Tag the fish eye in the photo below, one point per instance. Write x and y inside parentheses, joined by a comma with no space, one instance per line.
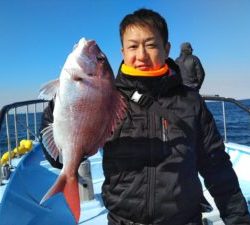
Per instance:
(76,78)
(100,58)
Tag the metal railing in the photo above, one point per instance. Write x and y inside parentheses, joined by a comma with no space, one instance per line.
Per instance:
(223,100)
(25,108)
(10,114)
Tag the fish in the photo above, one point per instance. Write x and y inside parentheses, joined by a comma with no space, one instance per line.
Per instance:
(87,109)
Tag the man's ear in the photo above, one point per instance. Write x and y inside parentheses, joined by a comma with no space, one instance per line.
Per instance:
(167,49)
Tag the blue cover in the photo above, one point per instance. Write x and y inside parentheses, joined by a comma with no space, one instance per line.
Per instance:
(20,203)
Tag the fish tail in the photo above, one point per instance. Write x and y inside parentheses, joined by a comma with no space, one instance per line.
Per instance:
(71,193)
(70,189)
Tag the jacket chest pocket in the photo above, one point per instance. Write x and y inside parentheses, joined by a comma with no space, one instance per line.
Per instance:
(180,139)
(135,126)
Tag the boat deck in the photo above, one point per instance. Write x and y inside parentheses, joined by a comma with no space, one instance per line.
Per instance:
(31,180)
(34,176)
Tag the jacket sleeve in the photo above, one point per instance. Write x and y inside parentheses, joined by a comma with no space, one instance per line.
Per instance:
(200,73)
(46,120)
(216,168)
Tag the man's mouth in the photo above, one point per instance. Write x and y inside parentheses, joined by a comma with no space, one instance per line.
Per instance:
(143,67)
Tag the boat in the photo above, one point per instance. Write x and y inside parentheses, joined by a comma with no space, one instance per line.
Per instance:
(25,176)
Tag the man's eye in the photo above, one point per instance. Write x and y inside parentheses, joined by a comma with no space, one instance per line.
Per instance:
(132,47)
(152,45)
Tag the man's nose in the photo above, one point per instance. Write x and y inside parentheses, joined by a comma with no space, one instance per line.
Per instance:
(142,53)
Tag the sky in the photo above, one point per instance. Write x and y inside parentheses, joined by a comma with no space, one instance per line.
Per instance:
(37,35)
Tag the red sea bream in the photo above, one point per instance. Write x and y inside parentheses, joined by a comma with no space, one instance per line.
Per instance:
(87,108)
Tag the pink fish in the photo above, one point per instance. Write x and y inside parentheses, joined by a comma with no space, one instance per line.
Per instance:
(87,109)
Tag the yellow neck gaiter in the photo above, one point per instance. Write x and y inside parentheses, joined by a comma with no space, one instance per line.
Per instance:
(128,70)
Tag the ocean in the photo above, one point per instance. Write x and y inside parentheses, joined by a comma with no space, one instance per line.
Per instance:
(237,121)
(21,129)
(238,125)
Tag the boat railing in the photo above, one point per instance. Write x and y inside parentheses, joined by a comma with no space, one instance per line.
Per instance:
(237,103)
(15,126)
(25,107)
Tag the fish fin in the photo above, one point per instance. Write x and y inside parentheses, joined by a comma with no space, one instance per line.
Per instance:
(70,190)
(120,108)
(49,90)
(49,143)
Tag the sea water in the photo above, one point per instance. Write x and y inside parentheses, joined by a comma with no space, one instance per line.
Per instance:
(237,121)
(21,125)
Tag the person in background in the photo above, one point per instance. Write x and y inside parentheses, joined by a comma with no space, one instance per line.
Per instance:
(152,160)
(192,72)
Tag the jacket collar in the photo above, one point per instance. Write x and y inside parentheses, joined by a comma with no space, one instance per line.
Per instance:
(150,85)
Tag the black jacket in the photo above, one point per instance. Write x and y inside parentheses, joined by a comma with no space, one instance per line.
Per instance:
(192,72)
(151,162)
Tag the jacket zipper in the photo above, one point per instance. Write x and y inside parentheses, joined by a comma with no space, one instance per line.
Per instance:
(151,169)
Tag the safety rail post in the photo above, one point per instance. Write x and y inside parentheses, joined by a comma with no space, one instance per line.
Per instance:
(15,126)
(85,181)
(8,137)
(35,122)
(27,122)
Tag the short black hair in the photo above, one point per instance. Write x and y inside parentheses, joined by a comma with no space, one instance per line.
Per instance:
(145,18)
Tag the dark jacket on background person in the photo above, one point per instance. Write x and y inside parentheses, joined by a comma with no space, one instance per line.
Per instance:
(152,160)
(192,72)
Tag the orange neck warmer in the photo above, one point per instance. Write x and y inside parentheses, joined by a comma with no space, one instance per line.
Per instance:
(128,70)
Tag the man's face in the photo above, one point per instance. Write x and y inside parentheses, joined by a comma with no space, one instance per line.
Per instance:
(143,48)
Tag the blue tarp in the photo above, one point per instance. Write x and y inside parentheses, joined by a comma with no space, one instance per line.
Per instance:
(20,203)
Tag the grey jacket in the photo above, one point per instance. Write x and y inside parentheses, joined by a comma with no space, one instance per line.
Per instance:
(192,72)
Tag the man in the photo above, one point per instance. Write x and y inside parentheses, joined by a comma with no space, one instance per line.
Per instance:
(192,72)
(151,161)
